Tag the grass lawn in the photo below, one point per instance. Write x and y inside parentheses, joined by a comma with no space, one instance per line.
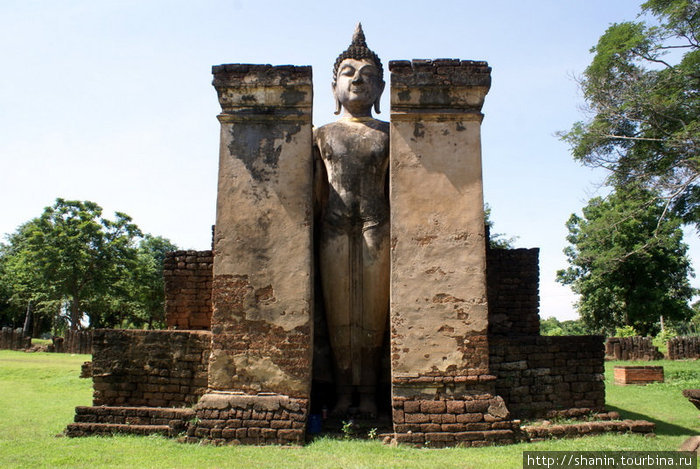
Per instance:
(39,391)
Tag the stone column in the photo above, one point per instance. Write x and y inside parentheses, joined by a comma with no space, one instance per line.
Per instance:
(262,296)
(442,390)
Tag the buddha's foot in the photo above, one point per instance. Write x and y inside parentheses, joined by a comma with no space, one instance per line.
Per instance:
(368,406)
(342,406)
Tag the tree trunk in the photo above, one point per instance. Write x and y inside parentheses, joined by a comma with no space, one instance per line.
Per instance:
(75,312)
(27,330)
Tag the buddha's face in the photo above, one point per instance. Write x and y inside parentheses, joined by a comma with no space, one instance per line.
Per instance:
(357,85)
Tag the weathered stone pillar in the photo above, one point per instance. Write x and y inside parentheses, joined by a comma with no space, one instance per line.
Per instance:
(260,365)
(442,390)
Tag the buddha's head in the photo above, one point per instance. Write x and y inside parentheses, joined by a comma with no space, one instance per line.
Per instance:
(357,78)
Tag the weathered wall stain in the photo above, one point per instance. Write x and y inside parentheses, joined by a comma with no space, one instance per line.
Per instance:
(259,145)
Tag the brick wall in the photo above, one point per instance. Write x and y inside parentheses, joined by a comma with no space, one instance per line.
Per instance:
(631,348)
(539,375)
(513,291)
(188,283)
(683,348)
(14,339)
(149,368)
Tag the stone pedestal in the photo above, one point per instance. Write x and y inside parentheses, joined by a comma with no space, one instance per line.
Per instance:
(262,293)
(442,390)
(638,374)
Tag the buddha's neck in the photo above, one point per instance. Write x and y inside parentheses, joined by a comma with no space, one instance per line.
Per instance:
(349,118)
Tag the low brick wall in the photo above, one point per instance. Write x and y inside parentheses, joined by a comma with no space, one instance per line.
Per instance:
(149,368)
(513,291)
(631,348)
(14,339)
(188,283)
(683,348)
(537,375)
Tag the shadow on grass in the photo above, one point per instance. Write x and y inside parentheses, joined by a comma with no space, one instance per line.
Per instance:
(662,428)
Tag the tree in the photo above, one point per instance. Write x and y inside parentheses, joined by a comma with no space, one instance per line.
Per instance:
(11,314)
(642,92)
(627,263)
(496,240)
(21,287)
(148,276)
(73,258)
(553,327)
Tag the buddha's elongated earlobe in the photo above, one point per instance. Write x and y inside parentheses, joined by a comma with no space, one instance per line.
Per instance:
(376,102)
(338,106)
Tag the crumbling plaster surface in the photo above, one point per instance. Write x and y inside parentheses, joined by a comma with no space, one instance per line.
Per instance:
(438,270)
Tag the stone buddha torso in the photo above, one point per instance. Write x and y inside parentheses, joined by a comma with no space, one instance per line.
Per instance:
(355,155)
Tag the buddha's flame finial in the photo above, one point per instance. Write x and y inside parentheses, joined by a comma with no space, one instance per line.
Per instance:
(358,37)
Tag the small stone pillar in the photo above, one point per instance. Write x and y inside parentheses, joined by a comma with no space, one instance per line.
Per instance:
(262,295)
(442,390)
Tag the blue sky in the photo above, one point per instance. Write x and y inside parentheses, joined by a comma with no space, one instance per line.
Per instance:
(111,101)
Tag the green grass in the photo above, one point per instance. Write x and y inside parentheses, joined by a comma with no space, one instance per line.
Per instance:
(41,341)
(38,394)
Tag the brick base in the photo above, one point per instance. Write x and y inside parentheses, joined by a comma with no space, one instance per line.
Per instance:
(638,374)
(475,420)
(237,418)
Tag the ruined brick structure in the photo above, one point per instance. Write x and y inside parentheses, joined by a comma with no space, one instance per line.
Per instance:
(684,348)
(631,348)
(149,368)
(513,291)
(77,342)
(539,375)
(464,353)
(14,339)
(188,280)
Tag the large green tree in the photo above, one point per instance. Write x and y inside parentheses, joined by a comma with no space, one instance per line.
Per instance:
(642,92)
(627,263)
(74,258)
(149,291)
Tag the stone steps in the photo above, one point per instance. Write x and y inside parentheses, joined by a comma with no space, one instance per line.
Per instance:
(108,420)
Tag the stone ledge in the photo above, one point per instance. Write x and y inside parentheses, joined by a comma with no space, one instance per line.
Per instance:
(88,429)
(460,72)
(541,432)
(458,439)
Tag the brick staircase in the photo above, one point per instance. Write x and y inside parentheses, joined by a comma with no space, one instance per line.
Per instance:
(105,420)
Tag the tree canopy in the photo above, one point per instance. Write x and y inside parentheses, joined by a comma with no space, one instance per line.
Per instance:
(72,258)
(553,327)
(627,263)
(642,92)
